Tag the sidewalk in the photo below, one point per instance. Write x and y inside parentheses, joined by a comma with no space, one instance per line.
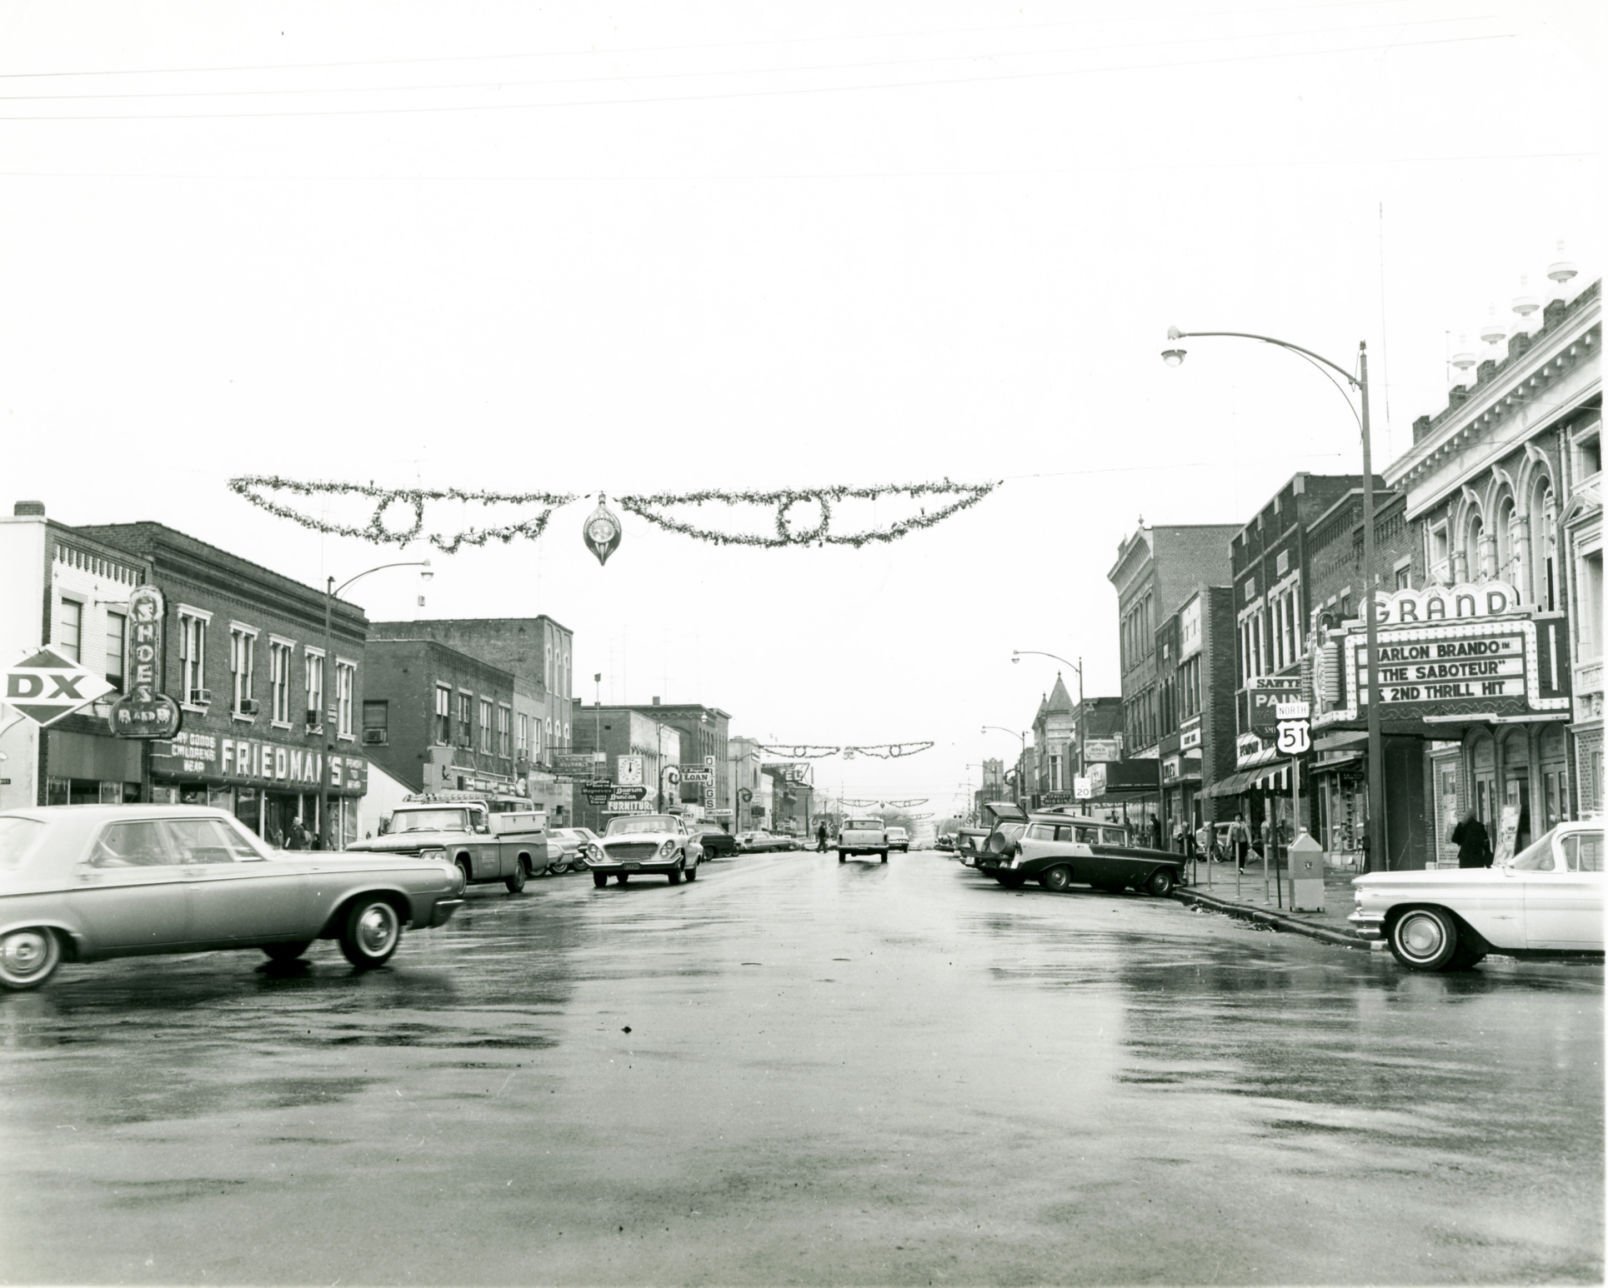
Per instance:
(1255,896)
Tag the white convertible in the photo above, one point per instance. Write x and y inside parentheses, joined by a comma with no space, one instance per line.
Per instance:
(1546,903)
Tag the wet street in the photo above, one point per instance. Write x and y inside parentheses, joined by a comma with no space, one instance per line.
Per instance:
(796,1072)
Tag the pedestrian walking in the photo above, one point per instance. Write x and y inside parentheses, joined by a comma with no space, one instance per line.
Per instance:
(1473,842)
(1239,840)
(820,837)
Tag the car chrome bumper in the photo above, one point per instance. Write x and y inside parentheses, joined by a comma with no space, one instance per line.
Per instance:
(443,910)
(1368,923)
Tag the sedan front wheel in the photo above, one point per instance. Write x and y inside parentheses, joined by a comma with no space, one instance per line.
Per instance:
(1424,939)
(371,933)
(28,958)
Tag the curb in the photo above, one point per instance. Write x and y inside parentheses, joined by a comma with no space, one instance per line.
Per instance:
(1278,920)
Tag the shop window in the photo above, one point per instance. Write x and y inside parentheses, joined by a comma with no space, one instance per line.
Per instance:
(193,656)
(69,635)
(443,715)
(345,697)
(279,652)
(313,662)
(116,648)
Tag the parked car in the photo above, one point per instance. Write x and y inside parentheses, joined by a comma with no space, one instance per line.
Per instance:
(570,841)
(757,842)
(1002,823)
(505,846)
(644,844)
(899,839)
(946,841)
(716,841)
(862,836)
(1059,850)
(1546,903)
(87,883)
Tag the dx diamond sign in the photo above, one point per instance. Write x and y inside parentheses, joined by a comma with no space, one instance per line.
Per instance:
(48,686)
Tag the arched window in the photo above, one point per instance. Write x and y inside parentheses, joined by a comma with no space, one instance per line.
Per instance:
(1506,555)
(1544,546)
(1473,547)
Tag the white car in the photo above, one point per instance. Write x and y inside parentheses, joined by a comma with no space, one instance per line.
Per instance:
(899,839)
(1546,903)
(862,836)
(633,844)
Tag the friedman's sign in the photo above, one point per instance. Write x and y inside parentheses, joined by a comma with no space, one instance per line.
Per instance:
(216,758)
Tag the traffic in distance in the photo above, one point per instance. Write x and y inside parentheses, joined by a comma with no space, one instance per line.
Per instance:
(88,883)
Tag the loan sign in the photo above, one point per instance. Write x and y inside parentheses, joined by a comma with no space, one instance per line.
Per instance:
(47,687)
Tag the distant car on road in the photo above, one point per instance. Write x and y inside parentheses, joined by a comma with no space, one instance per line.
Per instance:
(571,841)
(1546,903)
(644,844)
(1059,850)
(91,882)
(945,841)
(759,841)
(717,842)
(899,839)
(862,836)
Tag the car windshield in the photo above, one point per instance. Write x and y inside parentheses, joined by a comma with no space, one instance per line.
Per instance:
(429,820)
(17,837)
(1582,852)
(641,823)
(865,824)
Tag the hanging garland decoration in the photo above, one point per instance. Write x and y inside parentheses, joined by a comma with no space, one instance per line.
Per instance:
(888,804)
(818,751)
(398,515)
(804,515)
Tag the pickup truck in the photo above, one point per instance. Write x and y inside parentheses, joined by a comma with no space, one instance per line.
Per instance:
(486,847)
(862,836)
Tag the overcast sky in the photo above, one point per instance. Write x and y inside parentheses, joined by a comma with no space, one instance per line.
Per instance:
(661,247)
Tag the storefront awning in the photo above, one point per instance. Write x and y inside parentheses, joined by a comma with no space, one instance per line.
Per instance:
(1233,785)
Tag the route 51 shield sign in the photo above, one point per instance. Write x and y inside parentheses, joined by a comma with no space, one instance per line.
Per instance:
(1294,737)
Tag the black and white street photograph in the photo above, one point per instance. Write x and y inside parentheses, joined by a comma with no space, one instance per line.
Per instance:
(747,643)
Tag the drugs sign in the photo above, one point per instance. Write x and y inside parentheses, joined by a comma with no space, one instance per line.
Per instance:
(48,686)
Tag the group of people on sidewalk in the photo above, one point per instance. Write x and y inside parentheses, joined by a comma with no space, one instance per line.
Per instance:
(1236,844)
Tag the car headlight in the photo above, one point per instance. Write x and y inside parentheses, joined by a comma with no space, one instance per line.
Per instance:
(436,855)
(667,849)
(592,853)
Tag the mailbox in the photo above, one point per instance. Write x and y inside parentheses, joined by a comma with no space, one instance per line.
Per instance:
(1304,875)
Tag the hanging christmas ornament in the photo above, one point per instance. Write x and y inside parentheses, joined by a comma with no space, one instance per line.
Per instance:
(602,531)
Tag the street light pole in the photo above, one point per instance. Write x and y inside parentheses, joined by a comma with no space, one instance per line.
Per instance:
(1017,654)
(325,720)
(1019,762)
(1377,857)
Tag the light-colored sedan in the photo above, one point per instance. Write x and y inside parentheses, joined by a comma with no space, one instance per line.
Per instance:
(91,882)
(644,844)
(1546,903)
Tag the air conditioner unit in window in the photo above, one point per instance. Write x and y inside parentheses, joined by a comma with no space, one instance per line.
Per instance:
(200,697)
(374,737)
(249,706)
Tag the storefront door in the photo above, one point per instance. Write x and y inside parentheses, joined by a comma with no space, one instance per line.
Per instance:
(1482,774)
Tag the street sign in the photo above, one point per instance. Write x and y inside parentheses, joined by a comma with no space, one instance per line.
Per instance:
(47,687)
(1296,710)
(1294,737)
(1082,788)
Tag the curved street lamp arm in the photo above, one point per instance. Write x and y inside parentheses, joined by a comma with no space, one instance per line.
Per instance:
(1033,652)
(1173,333)
(405,563)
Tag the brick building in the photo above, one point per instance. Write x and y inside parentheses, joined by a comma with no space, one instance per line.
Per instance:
(244,657)
(437,719)
(1196,671)
(637,749)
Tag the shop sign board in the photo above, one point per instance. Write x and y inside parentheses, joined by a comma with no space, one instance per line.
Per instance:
(1490,667)
(695,774)
(47,687)
(597,791)
(214,758)
(1101,749)
(580,764)
(620,805)
(1097,780)
(630,793)
(1259,701)
(1189,737)
(1171,767)
(744,795)
(144,711)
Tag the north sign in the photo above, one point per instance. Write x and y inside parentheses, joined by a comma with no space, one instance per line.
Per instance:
(48,687)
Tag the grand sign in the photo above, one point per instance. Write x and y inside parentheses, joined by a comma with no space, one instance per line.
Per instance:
(1509,666)
(210,757)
